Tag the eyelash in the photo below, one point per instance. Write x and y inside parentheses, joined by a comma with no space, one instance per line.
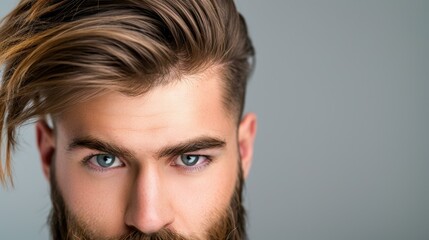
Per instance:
(193,169)
(187,169)
(87,163)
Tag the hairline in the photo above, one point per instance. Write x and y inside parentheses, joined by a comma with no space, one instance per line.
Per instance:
(211,72)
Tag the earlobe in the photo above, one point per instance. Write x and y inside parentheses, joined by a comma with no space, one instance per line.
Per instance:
(246,139)
(46,145)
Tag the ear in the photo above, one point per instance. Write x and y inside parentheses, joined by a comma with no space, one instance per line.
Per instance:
(46,145)
(246,139)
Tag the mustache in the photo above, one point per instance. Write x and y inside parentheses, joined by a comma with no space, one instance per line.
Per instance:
(164,234)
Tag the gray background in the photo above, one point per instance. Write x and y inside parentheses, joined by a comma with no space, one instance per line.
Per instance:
(343,142)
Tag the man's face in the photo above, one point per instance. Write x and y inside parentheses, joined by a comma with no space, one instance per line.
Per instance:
(168,159)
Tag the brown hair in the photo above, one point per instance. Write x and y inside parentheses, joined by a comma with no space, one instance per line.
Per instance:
(57,52)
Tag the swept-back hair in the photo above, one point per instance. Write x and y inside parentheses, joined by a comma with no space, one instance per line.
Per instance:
(55,53)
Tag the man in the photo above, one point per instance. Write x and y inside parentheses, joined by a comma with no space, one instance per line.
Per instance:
(139,114)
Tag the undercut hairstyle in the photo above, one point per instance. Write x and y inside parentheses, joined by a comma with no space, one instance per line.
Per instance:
(56,53)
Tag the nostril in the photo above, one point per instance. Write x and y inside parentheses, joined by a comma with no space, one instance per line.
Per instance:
(148,226)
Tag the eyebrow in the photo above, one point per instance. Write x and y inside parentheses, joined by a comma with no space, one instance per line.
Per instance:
(102,146)
(191,145)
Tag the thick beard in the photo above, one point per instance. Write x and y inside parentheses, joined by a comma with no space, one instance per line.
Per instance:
(230,226)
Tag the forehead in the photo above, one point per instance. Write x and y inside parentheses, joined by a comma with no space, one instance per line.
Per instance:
(186,108)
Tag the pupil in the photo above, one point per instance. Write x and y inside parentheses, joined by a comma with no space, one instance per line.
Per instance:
(107,159)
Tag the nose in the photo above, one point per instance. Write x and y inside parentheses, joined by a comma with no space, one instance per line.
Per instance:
(149,208)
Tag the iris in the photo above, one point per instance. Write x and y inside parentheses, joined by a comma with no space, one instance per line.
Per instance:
(105,160)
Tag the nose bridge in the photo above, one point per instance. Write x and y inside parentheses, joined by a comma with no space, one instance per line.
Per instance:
(149,208)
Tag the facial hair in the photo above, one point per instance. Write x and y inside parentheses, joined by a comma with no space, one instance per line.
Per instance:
(230,226)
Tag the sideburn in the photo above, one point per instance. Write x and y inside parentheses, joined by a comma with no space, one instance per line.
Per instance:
(57,217)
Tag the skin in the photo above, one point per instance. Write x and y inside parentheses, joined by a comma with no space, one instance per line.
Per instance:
(149,188)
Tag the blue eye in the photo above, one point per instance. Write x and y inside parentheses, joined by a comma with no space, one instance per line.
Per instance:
(105,160)
(190,160)
(102,162)
(191,163)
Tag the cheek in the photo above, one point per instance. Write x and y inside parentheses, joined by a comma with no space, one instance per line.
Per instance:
(97,204)
(199,201)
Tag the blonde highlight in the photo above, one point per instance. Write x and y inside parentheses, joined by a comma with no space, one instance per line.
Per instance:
(56,53)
